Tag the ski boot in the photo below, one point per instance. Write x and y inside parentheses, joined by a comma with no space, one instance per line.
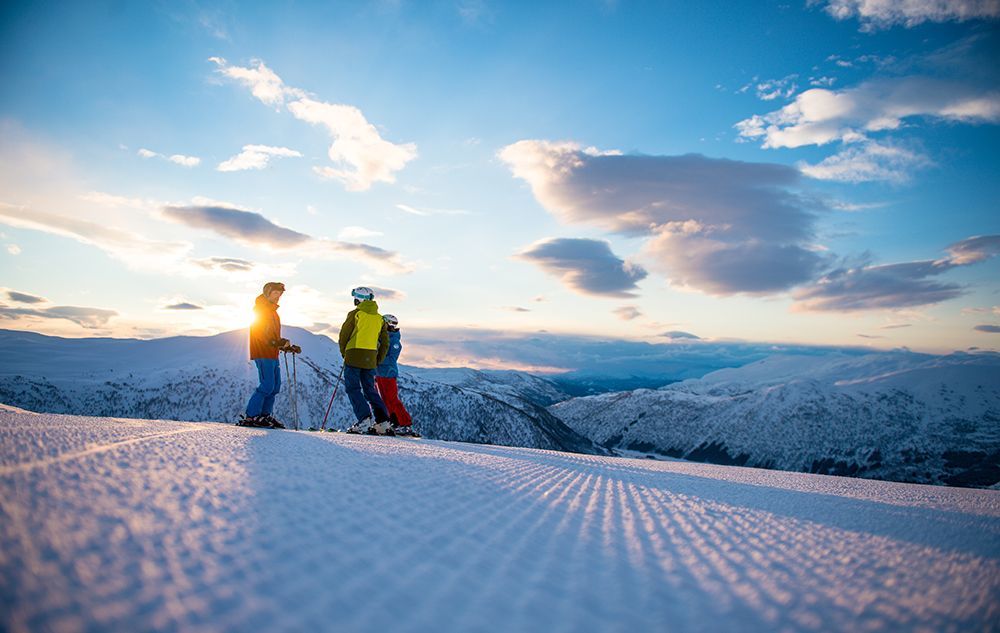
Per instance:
(406,431)
(273,422)
(383,428)
(257,421)
(245,420)
(362,426)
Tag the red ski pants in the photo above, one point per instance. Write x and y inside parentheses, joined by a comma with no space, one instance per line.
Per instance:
(390,395)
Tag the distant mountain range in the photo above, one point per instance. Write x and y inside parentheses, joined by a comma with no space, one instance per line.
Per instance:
(896,415)
(210,378)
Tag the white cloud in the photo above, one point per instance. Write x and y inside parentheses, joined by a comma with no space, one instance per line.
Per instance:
(680,335)
(225,264)
(586,266)
(360,155)
(861,287)
(263,82)
(85,317)
(820,116)
(184,161)
(876,14)
(627,313)
(179,159)
(256,157)
(13,249)
(135,250)
(636,194)
(428,211)
(877,60)
(246,227)
(771,89)
(973,250)
(720,226)
(45,176)
(356,233)
(255,230)
(853,207)
(234,268)
(385,294)
(867,162)
(411,210)
(23,297)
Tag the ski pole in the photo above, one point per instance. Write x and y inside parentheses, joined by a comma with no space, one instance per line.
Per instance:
(291,391)
(330,406)
(295,394)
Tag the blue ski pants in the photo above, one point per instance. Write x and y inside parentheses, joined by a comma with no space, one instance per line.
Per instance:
(364,397)
(262,400)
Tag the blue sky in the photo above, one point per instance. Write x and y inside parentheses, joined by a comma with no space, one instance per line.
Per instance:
(811,173)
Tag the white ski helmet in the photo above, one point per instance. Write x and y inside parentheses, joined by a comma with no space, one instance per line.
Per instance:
(362,293)
(391,320)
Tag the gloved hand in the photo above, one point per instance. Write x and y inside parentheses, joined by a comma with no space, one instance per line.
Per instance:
(281,344)
(295,349)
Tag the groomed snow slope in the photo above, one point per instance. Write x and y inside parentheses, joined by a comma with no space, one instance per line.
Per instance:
(137,525)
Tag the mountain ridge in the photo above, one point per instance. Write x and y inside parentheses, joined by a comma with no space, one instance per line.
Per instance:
(900,416)
(211,378)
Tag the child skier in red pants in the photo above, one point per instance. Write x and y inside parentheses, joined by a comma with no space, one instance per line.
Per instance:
(385,378)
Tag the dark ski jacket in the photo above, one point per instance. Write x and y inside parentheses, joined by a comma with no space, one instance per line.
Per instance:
(388,368)
(265,331)
(364,341)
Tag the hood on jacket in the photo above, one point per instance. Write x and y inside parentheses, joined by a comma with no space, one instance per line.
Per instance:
(368,306)
(262,302)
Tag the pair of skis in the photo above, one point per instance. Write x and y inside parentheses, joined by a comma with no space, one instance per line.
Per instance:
(413,435)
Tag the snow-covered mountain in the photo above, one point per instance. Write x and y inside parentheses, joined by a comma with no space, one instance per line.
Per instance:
(210,378)
(513,383)
(900,416)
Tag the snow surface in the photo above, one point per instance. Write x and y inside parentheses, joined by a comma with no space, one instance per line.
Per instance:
(137,525)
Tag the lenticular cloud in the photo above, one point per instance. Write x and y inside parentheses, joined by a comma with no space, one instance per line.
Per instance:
(720,226)
(585,265)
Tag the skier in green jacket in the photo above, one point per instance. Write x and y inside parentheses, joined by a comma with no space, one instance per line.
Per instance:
(364,344)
